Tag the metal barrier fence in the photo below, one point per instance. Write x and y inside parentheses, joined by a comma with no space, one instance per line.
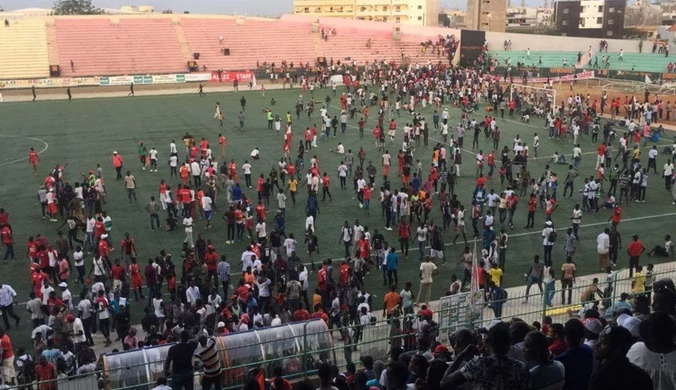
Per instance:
(299,357)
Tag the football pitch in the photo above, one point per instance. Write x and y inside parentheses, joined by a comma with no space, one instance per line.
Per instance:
(83,133)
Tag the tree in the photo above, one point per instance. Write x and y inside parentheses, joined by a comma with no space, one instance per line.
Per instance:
(167,11)
(75,7)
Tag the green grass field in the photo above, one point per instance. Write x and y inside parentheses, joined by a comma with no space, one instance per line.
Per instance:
(82,133)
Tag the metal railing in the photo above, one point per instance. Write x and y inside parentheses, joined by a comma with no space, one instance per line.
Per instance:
(299,359)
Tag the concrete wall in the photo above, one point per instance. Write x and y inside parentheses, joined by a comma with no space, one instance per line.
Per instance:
(557,43)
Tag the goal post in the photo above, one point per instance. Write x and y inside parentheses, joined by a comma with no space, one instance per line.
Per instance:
(543,97)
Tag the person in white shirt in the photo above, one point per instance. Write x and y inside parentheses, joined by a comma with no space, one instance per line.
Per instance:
(255,154)
(207,203)
(187,225)
(290,244)
(196,173)
(603,249)
(281,202)
(7,300)
(667,173)
(192,294)
(340,149)
(261,231)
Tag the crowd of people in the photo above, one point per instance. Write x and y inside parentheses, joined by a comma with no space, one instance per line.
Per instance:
(271,277)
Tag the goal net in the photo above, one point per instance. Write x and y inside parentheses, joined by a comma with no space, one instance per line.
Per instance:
(538,101)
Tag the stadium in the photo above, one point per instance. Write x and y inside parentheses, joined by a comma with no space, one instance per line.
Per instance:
(485,128)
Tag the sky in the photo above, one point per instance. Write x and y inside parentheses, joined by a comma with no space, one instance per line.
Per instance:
(249,7)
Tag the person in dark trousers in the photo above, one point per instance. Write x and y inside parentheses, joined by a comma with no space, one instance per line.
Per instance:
(614,370)
(200,89)
(178,364)
(131,90)
(242,102)
(33,92)
(70,95)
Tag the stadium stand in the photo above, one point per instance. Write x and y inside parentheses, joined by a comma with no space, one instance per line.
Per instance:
(112,46)
(552,59)
(645,62)
(254,40)
(23,50)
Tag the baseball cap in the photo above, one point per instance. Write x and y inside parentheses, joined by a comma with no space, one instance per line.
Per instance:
(70,318)
(593,325)
(441,349)
(63,284)
(548,223)
(426,313)
(621,318)
(632,324)
(221,324)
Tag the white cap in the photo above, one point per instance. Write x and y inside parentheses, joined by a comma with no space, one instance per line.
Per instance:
(221,325)
(548,223)
(63,284)
(115,152)
(104,235)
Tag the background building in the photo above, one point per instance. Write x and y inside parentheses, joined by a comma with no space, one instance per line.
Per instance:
(590,18)
(486,15)
(418,12)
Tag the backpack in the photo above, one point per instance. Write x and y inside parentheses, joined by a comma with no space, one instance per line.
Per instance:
(552,236)
(27,370)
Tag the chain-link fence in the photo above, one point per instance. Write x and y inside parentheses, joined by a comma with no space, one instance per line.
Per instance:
(297,349)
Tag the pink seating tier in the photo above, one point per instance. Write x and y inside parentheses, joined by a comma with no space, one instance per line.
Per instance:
(255,40)
(132,46)
(351,42)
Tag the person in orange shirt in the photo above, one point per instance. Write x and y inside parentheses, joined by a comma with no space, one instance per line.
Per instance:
(221,145)
(184,173)
(366,196)
(117,164)
(392,300)
(33,159)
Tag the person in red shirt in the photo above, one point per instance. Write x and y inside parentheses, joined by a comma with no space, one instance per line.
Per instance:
(38,277)
(301,314)
(635,249)
(104,250)
(532,204)
(45,373)
(211,258)
(617,215)
(364,248)
(8,372)
(117,273)
(7,241)
(404,236)
(326,181)
(99,228)
(33,159)
(481,181)
(260,210)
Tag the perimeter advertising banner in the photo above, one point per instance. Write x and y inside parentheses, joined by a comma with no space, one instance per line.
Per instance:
(229,76)
(49,83)
(471,45)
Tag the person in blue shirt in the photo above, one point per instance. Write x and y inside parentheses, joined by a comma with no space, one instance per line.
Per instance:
(237,193)
(415,183)
(392,263)
(578,360)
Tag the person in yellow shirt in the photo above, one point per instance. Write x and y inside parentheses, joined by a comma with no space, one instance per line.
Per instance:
(496,274)
(292,186)
(317,298)
(638,284)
